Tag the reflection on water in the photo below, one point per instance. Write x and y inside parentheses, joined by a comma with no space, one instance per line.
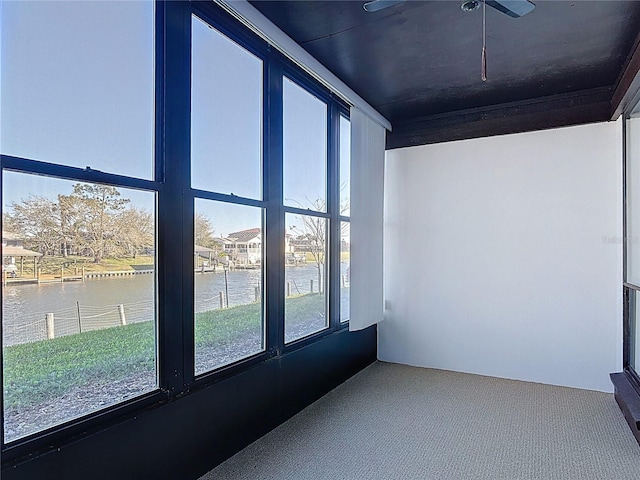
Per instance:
(94,303)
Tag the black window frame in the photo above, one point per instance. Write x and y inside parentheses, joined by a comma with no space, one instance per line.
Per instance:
(341,219)
(175,201)
(630,291)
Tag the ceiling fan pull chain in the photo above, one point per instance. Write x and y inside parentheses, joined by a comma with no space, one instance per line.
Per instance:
(484,41)
(484,64)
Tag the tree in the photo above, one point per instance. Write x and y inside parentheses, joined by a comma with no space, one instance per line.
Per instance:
(134,232)
(314,233)
(37,221)
(71,223)
(98,209)
(315,236)
(204,231)
(93,220)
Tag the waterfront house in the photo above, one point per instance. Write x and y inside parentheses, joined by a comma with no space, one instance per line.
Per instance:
(11,239)
(205,257)
(14,255)
(244,248)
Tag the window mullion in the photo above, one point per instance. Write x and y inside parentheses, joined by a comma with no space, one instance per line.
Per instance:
(333,194)
(273,195)
(175,229)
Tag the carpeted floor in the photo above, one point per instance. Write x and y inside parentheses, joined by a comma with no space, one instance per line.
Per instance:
(398,422)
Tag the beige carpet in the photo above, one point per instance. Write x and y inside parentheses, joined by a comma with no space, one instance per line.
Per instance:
(398,422)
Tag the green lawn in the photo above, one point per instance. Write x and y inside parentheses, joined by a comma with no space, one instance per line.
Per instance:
(304,308)
(35,373)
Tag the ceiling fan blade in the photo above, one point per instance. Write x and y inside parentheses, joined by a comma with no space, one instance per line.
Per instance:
(513,8)
(376,5)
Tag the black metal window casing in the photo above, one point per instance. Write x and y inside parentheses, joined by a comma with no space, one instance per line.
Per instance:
(338,226)
(630,291)
(175,216)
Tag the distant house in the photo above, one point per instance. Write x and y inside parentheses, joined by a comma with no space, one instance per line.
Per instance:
(244,247)
(294,255)
(205,257)
(12,249)
(303,244)
(10,239)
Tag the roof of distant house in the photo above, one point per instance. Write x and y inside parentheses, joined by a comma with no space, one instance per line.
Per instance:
(245,235)
(199,249)
(8,251)
(10,236)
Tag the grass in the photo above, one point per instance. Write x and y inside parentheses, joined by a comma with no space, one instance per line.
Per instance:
(221,326)
(304,308)
(344,257)
(36,373)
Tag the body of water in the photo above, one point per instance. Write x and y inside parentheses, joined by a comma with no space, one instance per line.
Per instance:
(94,303)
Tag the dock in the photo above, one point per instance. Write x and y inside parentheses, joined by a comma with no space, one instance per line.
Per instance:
(48,279)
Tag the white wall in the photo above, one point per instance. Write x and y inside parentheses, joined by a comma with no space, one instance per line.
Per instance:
(503,256)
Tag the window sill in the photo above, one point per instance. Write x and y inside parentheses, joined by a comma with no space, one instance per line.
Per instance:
(629,401)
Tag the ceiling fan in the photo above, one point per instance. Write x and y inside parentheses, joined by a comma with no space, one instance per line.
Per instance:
(513,8)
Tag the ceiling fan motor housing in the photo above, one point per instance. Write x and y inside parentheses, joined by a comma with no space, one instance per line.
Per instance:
(470,5)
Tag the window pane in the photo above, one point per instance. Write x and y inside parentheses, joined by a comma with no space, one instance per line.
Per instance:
(78,299)
(305,309)
(305,149)
(345,166)
(345,270)
(633,198)
(226,115)
(228,283)
(74,91)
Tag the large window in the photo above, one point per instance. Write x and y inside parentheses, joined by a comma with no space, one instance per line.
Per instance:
(228,283)
(73,92)
(78,309)
(305,276)
(305,196)
(632,241)
(79,298)
(305,148)
(226,164)
(226,115)
(175,209)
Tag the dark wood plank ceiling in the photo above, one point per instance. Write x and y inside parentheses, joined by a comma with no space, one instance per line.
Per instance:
(418,63)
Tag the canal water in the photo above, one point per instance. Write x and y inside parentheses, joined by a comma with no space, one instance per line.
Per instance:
(103,302)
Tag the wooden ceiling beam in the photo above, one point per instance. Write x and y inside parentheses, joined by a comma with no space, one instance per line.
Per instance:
(628,83)
(586,106)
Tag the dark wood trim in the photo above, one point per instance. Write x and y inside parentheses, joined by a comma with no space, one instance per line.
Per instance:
(628,400)
(628,84)
(191,434)
(574,108)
